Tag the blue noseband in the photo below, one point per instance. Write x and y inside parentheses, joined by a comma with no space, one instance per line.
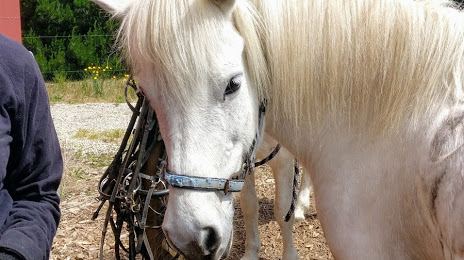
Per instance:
(203,183)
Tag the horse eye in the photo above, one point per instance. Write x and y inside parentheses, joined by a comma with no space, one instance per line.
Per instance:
(233,85)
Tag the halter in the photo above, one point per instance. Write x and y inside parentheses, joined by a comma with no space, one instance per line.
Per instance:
(234,184)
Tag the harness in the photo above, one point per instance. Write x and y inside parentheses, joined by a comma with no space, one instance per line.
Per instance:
(131,192)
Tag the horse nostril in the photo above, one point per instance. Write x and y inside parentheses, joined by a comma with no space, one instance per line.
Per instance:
(210,240)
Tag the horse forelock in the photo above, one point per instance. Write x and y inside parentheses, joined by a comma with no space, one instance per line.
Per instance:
(175,41)
(171,41)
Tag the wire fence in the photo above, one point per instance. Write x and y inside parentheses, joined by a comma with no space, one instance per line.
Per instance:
(79,71)
(66,36)
(48,73)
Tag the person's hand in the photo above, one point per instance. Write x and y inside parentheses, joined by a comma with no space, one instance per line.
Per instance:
(6,254)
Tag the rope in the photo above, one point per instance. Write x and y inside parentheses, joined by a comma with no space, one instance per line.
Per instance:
(296,168)
(269,157)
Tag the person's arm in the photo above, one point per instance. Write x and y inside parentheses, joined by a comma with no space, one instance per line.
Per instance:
(34,166)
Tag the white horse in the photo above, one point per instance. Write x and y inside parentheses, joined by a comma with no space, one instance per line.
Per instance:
(365,93)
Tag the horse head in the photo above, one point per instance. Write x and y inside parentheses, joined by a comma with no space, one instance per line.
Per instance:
(189,61)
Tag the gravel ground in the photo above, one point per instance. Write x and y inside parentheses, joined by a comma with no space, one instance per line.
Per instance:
(78,237)
(90,116)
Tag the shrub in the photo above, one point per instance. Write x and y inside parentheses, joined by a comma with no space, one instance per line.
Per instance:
(66,36)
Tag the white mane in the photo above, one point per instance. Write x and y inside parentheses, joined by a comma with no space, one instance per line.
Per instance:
(377,63)
(374,63)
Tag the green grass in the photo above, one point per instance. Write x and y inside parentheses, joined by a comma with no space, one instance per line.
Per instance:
(77,173)
(109,136)
(98,160)
(90,90)
(94,160)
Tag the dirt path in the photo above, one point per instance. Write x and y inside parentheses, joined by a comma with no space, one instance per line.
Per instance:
(78,237)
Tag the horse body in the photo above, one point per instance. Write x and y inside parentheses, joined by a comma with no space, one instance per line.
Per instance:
(379,193)
(397,197)
(367,94)
(371,198)
(388,198)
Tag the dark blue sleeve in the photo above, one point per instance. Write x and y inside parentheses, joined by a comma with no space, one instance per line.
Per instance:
(30,158)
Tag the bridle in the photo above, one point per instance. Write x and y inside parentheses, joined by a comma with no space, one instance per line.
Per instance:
(234,184)
(129,202)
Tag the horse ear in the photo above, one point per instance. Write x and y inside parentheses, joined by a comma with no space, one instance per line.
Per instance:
(225,5)
(117,8)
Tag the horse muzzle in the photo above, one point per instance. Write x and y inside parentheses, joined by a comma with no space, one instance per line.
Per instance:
(207,246)
(198,224)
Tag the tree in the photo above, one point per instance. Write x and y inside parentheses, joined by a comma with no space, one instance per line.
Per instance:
(67,36)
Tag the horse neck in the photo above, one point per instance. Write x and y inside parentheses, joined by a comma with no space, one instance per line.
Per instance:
(374,66)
